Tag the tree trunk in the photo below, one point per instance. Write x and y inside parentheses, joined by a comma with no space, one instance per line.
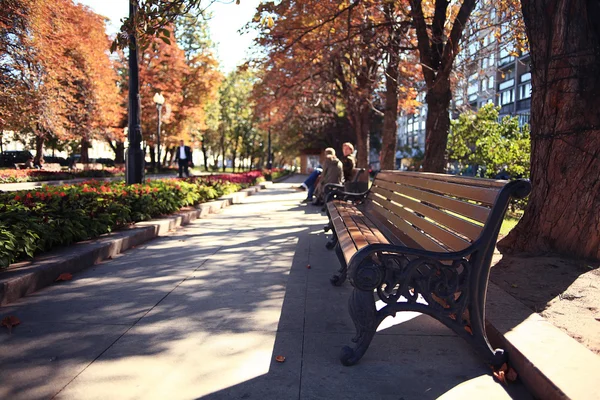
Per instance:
(85,145)
(361,122)
(563,213)
(205,159)
(39,149)
(152,157)
(120,152)
(390,117)
(437,125)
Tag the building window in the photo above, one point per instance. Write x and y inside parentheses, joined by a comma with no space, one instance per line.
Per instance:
(473,88)
(525,91)
(506,84)
(490,83)
(526,77)
(507,97)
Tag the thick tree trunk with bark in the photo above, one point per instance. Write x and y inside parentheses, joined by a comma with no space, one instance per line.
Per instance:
(390,117)
(361,122)
(437,126)
(563,213)
(119,148)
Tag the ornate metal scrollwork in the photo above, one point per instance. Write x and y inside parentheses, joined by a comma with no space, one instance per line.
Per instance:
(442,287)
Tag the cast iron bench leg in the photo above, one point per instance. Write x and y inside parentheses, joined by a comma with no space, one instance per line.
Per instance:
(339,278)
(332,242)
(364,315)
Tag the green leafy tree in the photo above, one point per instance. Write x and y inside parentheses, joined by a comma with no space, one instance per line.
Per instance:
(480,140)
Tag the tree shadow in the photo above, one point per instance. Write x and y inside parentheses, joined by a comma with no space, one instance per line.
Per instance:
(202,313)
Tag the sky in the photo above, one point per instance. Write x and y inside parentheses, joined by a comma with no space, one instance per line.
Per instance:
(228,18)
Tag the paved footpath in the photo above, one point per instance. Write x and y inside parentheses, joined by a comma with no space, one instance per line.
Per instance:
(202,313)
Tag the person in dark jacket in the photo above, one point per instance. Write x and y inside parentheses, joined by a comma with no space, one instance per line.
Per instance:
(184,159)
(348,161)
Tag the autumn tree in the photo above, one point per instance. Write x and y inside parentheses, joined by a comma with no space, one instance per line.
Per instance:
(562,215)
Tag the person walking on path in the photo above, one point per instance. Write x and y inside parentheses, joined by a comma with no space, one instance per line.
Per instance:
(184,159)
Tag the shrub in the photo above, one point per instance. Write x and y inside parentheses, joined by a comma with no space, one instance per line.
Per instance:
(35,221)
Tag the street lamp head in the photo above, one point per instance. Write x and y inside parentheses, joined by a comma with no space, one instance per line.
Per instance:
(159,99)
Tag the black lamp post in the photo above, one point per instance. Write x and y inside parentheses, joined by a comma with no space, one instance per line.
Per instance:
(159,100)
(135,157)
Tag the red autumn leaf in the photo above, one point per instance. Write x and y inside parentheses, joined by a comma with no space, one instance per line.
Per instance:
(64,277)
(10,321)
(280,359)
(468,329)
(308,266)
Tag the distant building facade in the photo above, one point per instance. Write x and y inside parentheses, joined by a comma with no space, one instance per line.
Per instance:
(488,72)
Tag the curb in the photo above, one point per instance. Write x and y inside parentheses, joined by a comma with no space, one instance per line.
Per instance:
(550,363)
(29,276)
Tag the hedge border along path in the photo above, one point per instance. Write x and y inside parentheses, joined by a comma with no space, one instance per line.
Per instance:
(29,276)
(36,221)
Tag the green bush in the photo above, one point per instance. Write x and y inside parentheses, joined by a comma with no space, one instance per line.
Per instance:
(35,221)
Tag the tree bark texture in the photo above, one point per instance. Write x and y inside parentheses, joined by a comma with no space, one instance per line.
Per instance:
(390,117)
(361,123)
(437,127)
(563,213)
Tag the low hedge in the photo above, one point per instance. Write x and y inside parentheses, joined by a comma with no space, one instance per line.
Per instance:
(36,221)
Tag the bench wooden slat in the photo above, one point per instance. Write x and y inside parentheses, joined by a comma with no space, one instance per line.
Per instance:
(470,180)
(484,195)
(469,210)
(357,236)
(461,226)
(417,236)
(344,239)
(448,239)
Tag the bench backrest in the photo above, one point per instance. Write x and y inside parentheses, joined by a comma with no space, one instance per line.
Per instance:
(436,212)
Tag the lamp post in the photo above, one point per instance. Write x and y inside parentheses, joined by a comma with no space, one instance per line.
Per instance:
(269,159)
(135,157)
(159,100)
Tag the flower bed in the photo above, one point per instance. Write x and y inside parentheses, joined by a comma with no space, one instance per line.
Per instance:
(36,175)
(275,173)
(35,221)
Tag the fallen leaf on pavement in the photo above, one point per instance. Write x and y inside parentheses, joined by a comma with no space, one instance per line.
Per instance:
(10,321)
(468,329)
(64,277)
(280,359)
(308,266)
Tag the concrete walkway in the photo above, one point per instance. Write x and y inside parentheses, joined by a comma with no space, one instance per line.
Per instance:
(202,313)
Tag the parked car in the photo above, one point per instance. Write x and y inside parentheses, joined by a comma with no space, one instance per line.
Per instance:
(11,157)
(56,160)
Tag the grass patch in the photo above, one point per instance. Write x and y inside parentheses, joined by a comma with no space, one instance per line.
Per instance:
(508,224)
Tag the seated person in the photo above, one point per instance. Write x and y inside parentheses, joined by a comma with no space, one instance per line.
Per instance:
(332,173)
(310,183)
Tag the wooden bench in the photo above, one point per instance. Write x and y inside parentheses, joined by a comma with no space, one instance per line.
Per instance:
(421,242)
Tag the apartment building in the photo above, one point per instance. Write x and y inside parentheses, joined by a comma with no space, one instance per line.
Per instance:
(486,71)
